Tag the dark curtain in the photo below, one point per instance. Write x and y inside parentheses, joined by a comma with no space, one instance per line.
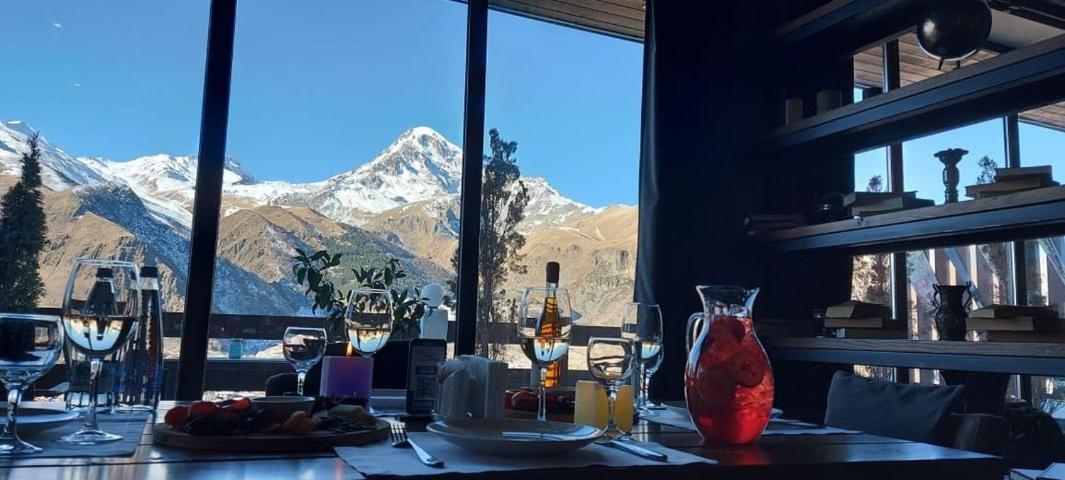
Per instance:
(689,211)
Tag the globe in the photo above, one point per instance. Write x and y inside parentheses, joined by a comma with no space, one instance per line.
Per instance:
(952,30)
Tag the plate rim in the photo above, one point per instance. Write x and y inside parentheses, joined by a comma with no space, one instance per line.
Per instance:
(433,428)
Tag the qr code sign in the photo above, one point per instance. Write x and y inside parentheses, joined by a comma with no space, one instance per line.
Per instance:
(424,387)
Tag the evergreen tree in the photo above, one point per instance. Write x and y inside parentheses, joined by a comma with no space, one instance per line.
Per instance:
(503,201)
(22,237)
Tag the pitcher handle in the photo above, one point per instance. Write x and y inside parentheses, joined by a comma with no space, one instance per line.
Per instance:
(695,323)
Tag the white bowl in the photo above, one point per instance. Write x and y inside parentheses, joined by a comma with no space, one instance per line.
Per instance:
(281,407)
(515,437)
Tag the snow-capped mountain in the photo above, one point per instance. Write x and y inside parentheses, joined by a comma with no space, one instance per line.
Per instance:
(403,203)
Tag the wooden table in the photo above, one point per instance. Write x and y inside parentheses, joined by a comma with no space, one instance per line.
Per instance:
(861,456)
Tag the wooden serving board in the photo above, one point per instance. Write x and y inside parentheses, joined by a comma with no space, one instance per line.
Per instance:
(162,434)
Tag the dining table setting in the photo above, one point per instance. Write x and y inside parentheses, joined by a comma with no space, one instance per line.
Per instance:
(457,418)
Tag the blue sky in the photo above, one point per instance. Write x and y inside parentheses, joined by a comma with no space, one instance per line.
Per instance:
(923,173)
(317,91)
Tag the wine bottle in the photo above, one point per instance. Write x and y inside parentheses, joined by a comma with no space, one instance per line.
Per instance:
(551,325)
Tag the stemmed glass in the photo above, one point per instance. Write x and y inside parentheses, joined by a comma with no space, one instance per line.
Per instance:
(642,323)
(100,310)
(303,348)
(544,321)
(368,320)
(29,347)
(611,361)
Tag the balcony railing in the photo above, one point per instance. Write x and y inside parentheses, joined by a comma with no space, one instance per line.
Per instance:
(250,374)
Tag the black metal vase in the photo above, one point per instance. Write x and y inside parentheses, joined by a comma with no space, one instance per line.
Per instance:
(951,304)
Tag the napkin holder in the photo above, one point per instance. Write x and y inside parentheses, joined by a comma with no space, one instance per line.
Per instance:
(473,387)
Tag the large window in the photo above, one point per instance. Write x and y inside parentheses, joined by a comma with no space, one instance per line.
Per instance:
(571,101)
(344,135)
(114,90)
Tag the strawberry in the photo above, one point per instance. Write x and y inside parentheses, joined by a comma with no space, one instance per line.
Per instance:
(177,417)
(201,408)
(240,404)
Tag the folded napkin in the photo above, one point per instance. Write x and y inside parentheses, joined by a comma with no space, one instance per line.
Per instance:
(676,417)
(382,461)
(129,425)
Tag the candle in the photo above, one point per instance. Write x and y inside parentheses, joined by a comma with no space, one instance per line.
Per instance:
(344,376)
(590,406)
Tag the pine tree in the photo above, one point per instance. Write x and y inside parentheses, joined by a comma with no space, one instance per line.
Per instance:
(22,237)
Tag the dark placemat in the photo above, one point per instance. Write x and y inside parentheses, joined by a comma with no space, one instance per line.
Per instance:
(129,425)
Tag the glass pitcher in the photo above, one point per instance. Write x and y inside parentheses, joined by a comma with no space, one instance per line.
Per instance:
(728,382)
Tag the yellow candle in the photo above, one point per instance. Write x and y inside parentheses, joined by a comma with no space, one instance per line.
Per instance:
(623,408)
(590,406)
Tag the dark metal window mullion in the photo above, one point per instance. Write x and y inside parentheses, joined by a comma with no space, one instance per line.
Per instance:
(472,164)
(210,167)
(892,80)
(1012,135)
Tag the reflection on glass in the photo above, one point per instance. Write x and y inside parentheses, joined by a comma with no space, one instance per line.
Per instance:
(100,309)
(29,348)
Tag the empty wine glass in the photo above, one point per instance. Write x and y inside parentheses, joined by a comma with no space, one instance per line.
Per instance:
(303,348)
(368,320)
(642,323)
(611,361)
(544,322)
(100,310)
(29,347)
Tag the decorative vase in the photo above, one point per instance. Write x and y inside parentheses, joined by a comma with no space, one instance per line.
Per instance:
(728,381)
(951,304)
(951,176)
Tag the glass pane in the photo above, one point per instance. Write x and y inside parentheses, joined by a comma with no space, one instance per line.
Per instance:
(114,90)
(570,100)
(1049,396)
(924,172)
(341,144)
(916,66)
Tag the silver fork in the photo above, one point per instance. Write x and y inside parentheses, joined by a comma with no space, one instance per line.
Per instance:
(398,433)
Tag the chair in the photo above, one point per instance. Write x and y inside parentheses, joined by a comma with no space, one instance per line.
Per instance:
(921,413)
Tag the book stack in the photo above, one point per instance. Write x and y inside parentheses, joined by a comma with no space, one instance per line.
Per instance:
(872,203)
(1013,323)
(856,319)
(762,222)
(1009,180)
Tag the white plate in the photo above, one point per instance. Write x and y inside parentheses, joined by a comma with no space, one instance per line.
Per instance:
(515,437)
(37,418)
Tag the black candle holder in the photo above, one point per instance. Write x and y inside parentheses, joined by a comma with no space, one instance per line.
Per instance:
(951,176)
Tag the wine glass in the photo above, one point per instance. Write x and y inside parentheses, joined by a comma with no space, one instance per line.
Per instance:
(642,323)
(100,310)
(29,347)
(611,361)
(544,321)
(303,348)
(368,319)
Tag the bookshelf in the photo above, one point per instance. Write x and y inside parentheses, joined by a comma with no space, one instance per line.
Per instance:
(1019,80)
(1029,213)
(1001,357)
(805,160)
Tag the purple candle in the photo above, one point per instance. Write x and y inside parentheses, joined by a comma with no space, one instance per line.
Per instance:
(344,376)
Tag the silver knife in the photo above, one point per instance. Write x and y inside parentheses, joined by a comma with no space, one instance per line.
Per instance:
(424,456)
(635,450)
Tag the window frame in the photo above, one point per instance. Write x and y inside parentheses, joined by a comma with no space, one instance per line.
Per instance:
(214,122)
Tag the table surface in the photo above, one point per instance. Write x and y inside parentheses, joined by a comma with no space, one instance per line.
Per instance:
(775,456)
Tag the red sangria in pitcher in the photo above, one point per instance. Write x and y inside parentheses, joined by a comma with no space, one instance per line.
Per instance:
(728,382)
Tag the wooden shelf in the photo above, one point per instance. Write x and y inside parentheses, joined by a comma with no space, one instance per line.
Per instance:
(841,28)
(1012,82)
(1027,214)
(1001,357)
